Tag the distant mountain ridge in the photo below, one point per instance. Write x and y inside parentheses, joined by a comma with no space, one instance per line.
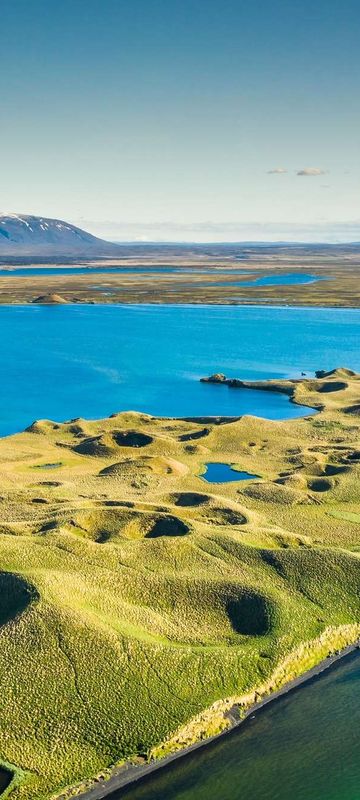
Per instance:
(34,236)
(30,236)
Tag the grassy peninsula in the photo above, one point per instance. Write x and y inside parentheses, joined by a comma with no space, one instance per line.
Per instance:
(139,602)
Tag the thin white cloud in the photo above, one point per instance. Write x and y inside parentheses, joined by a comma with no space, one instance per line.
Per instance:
(277,171)
(311,171)
(323,230)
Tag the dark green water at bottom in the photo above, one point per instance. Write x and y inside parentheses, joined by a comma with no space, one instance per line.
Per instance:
(305,746)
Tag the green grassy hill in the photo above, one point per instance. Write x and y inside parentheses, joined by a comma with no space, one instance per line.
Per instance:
(134,595)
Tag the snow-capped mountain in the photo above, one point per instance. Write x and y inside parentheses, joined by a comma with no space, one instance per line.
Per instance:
(30,236)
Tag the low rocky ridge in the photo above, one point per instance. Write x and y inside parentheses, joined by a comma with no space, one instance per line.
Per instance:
(142,595)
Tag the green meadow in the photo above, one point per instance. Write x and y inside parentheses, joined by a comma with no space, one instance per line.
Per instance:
(139,602)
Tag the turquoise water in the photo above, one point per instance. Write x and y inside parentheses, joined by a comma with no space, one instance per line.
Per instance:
(290,279)
(224,473)
(60,362)
(155,271)
(306,746)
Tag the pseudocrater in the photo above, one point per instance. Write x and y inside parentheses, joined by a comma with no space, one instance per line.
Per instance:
(190,499)
(332,386)
(320,484)
(132,439)
(143,473)
(248,611)
(16,594)
(97,446)
(167,526)
(335,469)
(106,445)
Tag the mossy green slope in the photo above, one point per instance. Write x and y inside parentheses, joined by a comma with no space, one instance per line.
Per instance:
(140,595)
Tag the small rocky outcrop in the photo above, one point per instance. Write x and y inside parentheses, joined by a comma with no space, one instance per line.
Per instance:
(50,300)
(218,377)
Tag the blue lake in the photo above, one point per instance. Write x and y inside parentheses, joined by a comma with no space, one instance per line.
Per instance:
(61,362)
(224,473)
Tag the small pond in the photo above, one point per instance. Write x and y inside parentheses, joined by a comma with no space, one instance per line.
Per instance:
(224,473)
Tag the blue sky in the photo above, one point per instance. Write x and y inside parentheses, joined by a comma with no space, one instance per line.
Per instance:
(169,118)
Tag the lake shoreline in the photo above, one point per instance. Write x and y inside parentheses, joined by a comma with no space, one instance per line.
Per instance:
(117,375)
(133,773)
(180,282)
(258,441)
